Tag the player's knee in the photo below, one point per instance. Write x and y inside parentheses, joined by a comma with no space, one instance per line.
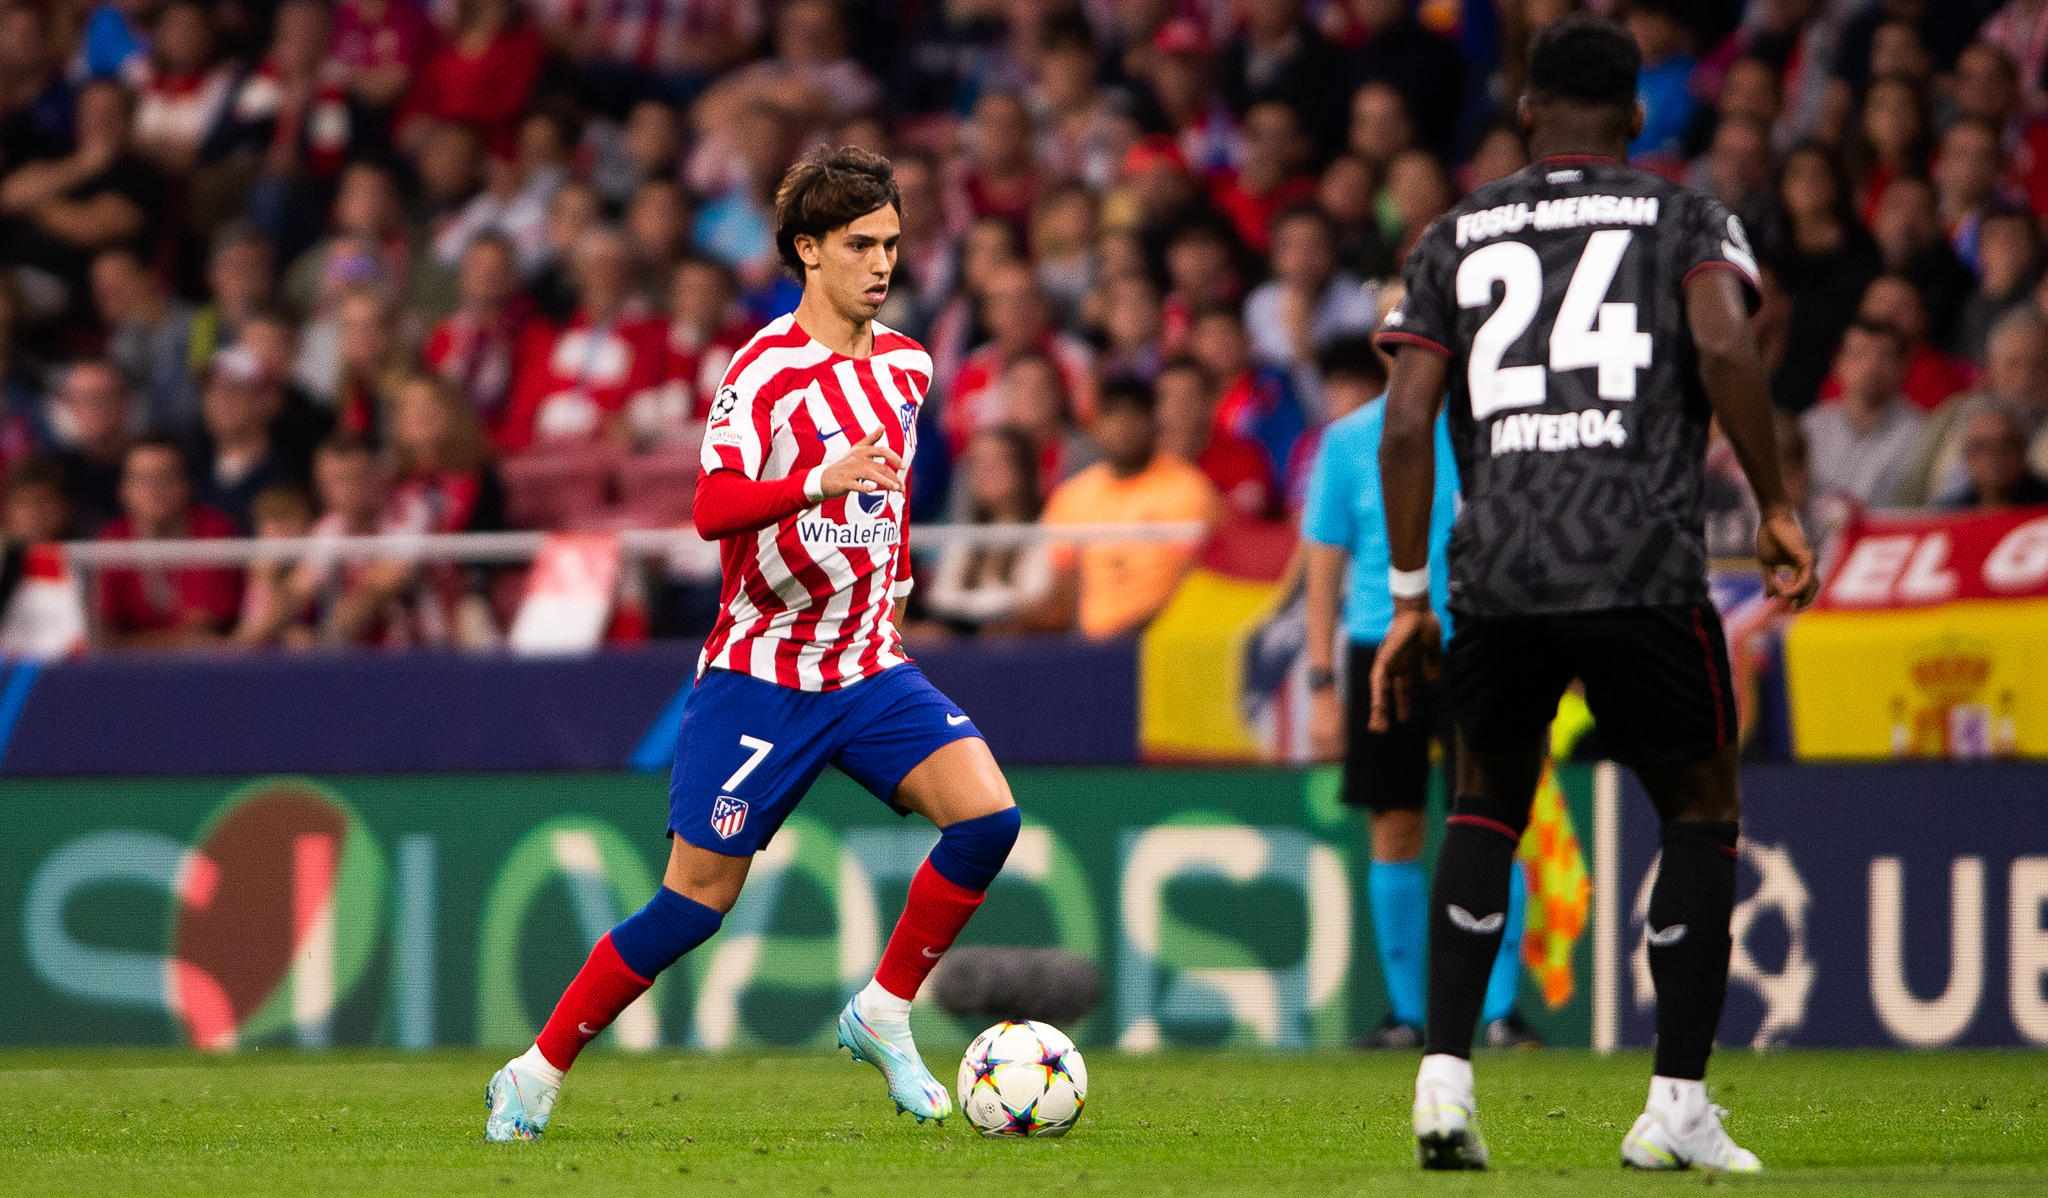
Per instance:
(971,852)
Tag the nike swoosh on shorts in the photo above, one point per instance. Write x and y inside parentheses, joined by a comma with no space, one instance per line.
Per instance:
(1666,937)
(956,720)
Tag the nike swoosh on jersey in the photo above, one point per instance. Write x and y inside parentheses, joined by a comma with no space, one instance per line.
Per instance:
(828,434)
(1666,937)
(956,720)
(1467,922)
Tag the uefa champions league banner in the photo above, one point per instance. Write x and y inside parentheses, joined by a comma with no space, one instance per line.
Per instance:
(1219,907)
(1896,905)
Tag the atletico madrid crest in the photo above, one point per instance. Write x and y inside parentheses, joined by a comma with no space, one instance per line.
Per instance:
(728,816)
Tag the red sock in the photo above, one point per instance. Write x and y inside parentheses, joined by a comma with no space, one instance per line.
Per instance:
(932,919)
(603,988)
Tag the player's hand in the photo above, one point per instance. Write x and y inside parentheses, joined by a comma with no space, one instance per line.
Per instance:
(1781,549)
(1325,724)
(1414,636)
(869,466)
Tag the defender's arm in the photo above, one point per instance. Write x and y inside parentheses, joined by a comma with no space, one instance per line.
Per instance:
(1733,373)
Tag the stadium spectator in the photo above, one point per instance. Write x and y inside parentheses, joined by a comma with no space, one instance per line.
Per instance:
(379,46)
(1255,402)
(657,226)
(1891,143)
(2008,261)
(1180,73)
(159,607)
(62,211)
(1131,326)
(1966,178)
(1236,465)
(1663,86)
(238,279)
(183,91)
(93,407)
(925,266)
(1308,303)
(996,176)
(1910,243)
(1202,273)
(1825,260)
(569,387)
(488,334)
(371,359)
(670,51)
(1862,443)
(1737,168)
(2016,380)
(36,108)
(1995,460)
(482,77)
(280,510)
(515,197)
(1018,320)
(573,210)
(705,329)
(1424,66)
(1279,55)
(443,480)
(1107,590)
(994,588)
(1932,375)
(1269,178)
(233,455)
(38,510)
(1381,128)
(149,336)
(1034,404)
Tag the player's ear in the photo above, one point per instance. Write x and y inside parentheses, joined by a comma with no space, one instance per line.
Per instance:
(1525,115)
(1635,120)
(811,253)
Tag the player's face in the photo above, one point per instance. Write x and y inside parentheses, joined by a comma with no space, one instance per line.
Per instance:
(854,263)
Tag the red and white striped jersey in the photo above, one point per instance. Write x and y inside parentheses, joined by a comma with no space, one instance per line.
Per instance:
(809,602)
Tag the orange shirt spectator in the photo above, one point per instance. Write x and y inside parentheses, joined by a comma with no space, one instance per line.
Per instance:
(160,607)
(1118,588)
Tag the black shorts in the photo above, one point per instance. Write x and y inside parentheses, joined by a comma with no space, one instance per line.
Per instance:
(1657,679)
(1389,771)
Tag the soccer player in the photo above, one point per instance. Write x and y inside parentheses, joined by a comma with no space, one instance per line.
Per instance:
(805,463)
(1586,320)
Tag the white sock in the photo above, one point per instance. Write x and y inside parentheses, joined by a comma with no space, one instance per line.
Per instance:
(1441,1068)
(533,1063)
(877,1005)
(1681,1101)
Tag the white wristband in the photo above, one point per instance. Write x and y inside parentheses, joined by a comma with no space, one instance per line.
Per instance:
(1408,584)
(814,485)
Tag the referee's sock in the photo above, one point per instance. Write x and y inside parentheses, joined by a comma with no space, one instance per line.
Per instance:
(1468,913)
(1689,942)
(1399,893)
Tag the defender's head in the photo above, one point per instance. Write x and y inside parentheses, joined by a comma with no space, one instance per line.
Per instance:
(1582,75)
(837,220)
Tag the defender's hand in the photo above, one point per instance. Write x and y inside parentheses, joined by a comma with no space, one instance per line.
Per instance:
(868,466)
(1415,635)
(1325,725)
(1787,560)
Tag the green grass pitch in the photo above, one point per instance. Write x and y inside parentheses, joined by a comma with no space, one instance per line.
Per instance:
(142,1124)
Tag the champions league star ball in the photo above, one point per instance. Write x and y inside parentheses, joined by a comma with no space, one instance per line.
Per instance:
(1023,1079)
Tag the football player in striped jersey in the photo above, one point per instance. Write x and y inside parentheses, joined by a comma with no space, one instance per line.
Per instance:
(806,464)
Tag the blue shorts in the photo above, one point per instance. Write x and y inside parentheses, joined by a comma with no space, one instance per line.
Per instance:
(749,750)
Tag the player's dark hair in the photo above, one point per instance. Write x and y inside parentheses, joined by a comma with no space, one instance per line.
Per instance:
(1126,394)
(1586,58)
(830,190)
(1353,357)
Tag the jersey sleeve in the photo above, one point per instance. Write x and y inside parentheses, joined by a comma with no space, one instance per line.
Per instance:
(1714,239)
(1426,317)
(736,434)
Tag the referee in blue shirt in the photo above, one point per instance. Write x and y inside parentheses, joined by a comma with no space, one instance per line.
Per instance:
(1344,533)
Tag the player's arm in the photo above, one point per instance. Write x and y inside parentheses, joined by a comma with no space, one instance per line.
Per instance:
(1324,575)
(1415,394)
(729,503)
(1733,373)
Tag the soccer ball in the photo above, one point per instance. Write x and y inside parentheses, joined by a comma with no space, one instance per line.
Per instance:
(1023,1078)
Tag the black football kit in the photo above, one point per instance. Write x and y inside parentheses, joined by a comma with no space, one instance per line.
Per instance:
(1580,427)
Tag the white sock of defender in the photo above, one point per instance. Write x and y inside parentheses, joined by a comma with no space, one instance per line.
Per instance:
(1443,1069)
(1682,1103)
(532,1062)
(877,1005)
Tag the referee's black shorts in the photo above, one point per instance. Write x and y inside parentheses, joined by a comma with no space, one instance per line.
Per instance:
(1389,771)
(1657,679)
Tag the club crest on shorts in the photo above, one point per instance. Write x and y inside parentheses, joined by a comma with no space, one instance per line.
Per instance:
(728,816)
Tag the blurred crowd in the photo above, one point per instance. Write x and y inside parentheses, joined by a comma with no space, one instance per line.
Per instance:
(286,267)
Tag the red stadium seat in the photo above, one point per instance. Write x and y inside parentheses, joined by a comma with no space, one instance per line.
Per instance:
(660,485)
(548,487)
